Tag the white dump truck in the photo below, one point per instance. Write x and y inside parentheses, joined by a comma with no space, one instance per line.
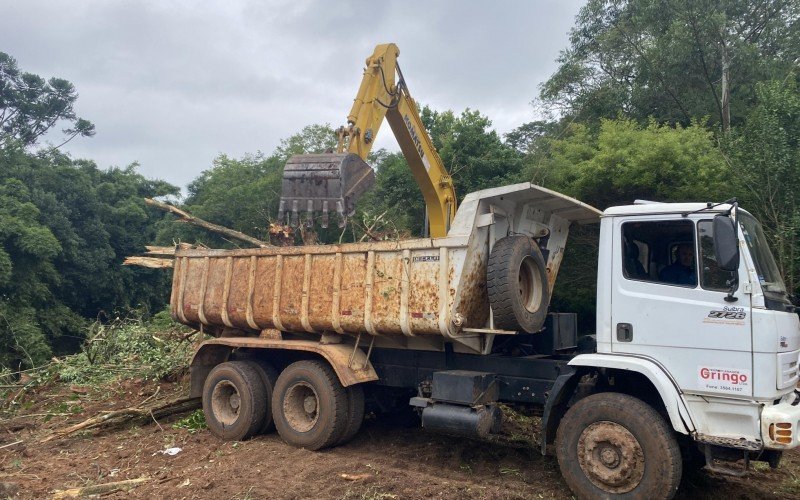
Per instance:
(694,353)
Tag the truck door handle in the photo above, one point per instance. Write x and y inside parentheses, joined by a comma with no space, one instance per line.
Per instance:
(624,332)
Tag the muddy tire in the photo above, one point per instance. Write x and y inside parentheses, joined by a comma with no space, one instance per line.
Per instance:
(612,444)
(309,405)
(355,413)
(516,280)
(234,401)
(269,376)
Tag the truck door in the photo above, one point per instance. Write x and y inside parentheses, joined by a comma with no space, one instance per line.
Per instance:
(669,304)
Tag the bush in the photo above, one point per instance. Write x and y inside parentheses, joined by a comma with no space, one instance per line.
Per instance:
(129,348)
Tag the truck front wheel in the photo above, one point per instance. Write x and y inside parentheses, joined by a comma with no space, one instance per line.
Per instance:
(309,405)
(615,444)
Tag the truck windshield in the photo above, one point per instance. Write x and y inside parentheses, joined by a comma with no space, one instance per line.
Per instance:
(767,269)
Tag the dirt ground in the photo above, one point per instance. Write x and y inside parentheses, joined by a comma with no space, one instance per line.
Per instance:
(382,462)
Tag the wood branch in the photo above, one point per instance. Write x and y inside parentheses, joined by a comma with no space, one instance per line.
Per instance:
(9,445)
(100,489)
(368,229)
(151,262)
(190,219)
(151,250)
(154,250)
(117,417)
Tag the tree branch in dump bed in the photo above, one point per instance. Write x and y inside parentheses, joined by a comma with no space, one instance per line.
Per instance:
(151,262)
(190,219)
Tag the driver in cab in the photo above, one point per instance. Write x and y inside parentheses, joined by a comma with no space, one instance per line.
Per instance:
(681,272)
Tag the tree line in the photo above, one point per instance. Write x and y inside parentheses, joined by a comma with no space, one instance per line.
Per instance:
(668,100)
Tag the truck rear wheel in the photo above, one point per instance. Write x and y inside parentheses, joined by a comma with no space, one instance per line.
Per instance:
(234,400)
(309,405)
(615,444)
(269,376)
(516,280)
(355,413)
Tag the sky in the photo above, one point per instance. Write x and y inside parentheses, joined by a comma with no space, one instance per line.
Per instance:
(173,84)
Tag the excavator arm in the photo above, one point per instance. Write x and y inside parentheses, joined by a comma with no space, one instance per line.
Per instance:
(382,94)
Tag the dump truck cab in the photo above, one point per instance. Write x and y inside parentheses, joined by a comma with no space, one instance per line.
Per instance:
(725,337)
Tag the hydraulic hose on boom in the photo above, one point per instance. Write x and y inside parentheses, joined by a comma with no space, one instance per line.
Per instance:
(335,181)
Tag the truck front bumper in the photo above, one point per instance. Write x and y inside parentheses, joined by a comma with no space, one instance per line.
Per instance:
(780,423)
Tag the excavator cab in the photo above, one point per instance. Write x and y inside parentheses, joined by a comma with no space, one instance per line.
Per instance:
(318,184)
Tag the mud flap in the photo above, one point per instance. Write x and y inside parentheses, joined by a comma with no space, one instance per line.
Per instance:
(556,405)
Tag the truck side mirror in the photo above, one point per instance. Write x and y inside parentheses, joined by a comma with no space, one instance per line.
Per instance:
(726,243)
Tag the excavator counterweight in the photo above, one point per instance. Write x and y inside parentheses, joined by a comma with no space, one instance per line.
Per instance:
(317,184)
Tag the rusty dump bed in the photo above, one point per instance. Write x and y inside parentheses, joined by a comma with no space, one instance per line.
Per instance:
(417,287)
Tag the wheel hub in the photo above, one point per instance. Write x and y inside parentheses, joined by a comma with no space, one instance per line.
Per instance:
(310,405)
(225,402)
(611,457)
(301,407)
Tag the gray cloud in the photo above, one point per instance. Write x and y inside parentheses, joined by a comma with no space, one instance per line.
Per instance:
(173,84)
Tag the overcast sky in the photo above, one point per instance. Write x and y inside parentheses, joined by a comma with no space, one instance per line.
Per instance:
(171,84)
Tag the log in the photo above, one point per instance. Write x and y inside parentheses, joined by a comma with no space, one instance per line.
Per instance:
(151,262)
(154,250)
(100,489)
(190,219)
(151,250)
(180,405)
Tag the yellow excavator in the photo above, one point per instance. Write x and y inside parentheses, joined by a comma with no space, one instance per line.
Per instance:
(317,184)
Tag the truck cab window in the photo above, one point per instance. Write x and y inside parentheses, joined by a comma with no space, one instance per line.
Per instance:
(711,276)
(660,252)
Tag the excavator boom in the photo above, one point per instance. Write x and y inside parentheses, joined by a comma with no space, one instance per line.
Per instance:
(319,184)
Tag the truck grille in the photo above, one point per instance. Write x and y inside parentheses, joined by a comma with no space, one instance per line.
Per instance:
(787,369)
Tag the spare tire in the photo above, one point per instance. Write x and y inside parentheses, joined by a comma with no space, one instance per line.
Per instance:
(516,280)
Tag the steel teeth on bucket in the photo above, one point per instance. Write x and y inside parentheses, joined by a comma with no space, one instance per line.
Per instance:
(294,217)
(316,183)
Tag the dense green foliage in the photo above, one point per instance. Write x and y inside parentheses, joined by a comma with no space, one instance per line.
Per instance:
(669,100)
(65,227)
(674,60)
(765,156)
(624,161)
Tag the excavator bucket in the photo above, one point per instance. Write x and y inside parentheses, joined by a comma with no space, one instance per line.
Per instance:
(321,184)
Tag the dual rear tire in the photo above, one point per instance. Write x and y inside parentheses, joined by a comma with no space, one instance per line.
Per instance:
(306,403)
(235,400)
